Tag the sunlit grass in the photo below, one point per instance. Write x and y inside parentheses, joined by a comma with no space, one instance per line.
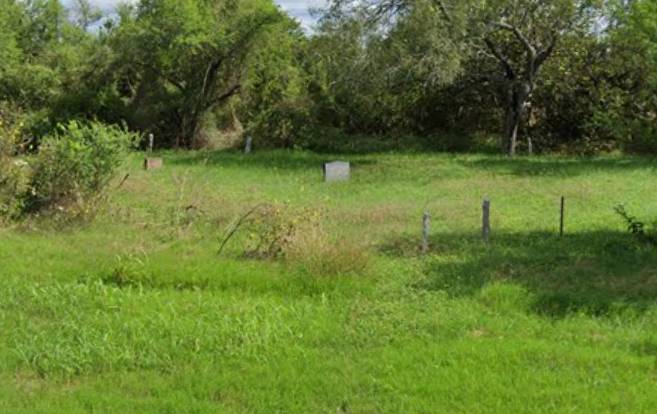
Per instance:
(136,312)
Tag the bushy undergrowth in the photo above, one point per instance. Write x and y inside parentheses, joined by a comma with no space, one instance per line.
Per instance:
(334,140)
(69,173)
(13,171)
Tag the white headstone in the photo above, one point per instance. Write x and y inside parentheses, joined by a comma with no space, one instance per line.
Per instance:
(249,145)
(337,171)
(530,146)
(151,142)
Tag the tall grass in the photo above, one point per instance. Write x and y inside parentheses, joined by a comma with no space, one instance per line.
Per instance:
(136,312)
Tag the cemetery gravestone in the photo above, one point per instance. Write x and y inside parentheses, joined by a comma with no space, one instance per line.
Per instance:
(151,163)
(151,143)
(337,171)
(249,145)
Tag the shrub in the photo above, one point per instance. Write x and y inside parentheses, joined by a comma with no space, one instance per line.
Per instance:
(75,165)
(335,140)
(298,237)
(636,134)
(13,171)
(277,127)
(273,229)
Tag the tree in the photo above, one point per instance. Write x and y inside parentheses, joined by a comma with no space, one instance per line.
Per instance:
(628,108)
(9,50)
(86,14)
(45,60)
(520,35)
(641,28)
(273,97)
(180,59)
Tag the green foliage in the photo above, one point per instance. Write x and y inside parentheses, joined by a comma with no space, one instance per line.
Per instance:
(274,100)
(186,58)
(14,172)
(273,229)
(75,165)
(355,82)
(638,228)
(642,29)
(181,69)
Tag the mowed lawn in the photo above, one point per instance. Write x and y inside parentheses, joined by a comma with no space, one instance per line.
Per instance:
(137,313)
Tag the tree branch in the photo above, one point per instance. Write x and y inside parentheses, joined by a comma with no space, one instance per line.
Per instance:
(227,93)
(510,73)
(518,34)
(543,55)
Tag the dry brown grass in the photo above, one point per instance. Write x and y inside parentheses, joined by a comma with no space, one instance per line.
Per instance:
(315,252)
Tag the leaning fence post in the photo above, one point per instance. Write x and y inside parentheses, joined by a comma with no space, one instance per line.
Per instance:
(426,228)
(486,220)
(562,218)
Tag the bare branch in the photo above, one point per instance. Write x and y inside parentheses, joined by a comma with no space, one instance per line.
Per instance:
(236,226)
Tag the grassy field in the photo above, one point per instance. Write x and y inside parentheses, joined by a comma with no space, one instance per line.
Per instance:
(137,313)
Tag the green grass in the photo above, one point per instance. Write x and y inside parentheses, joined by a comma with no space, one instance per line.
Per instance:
(136,313)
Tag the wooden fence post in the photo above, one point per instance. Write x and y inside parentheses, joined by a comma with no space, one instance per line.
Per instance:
(426,228)
(486,220)
(562,218)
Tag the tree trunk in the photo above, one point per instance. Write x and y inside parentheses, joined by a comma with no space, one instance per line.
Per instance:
(518,94)
(511,132)
(519,83)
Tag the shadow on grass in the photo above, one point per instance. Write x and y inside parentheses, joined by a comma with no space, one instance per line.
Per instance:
(597,273)
(270,159)
(555,166)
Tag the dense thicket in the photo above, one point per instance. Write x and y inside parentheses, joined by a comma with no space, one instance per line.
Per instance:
(444,74)
(566,74)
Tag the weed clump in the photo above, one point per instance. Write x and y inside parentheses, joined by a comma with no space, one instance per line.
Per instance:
(129,271)
(644,233)
(316,254)
(299,238)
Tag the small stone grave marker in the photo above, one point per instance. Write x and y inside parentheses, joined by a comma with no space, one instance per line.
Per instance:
(151,163)
(337,171)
